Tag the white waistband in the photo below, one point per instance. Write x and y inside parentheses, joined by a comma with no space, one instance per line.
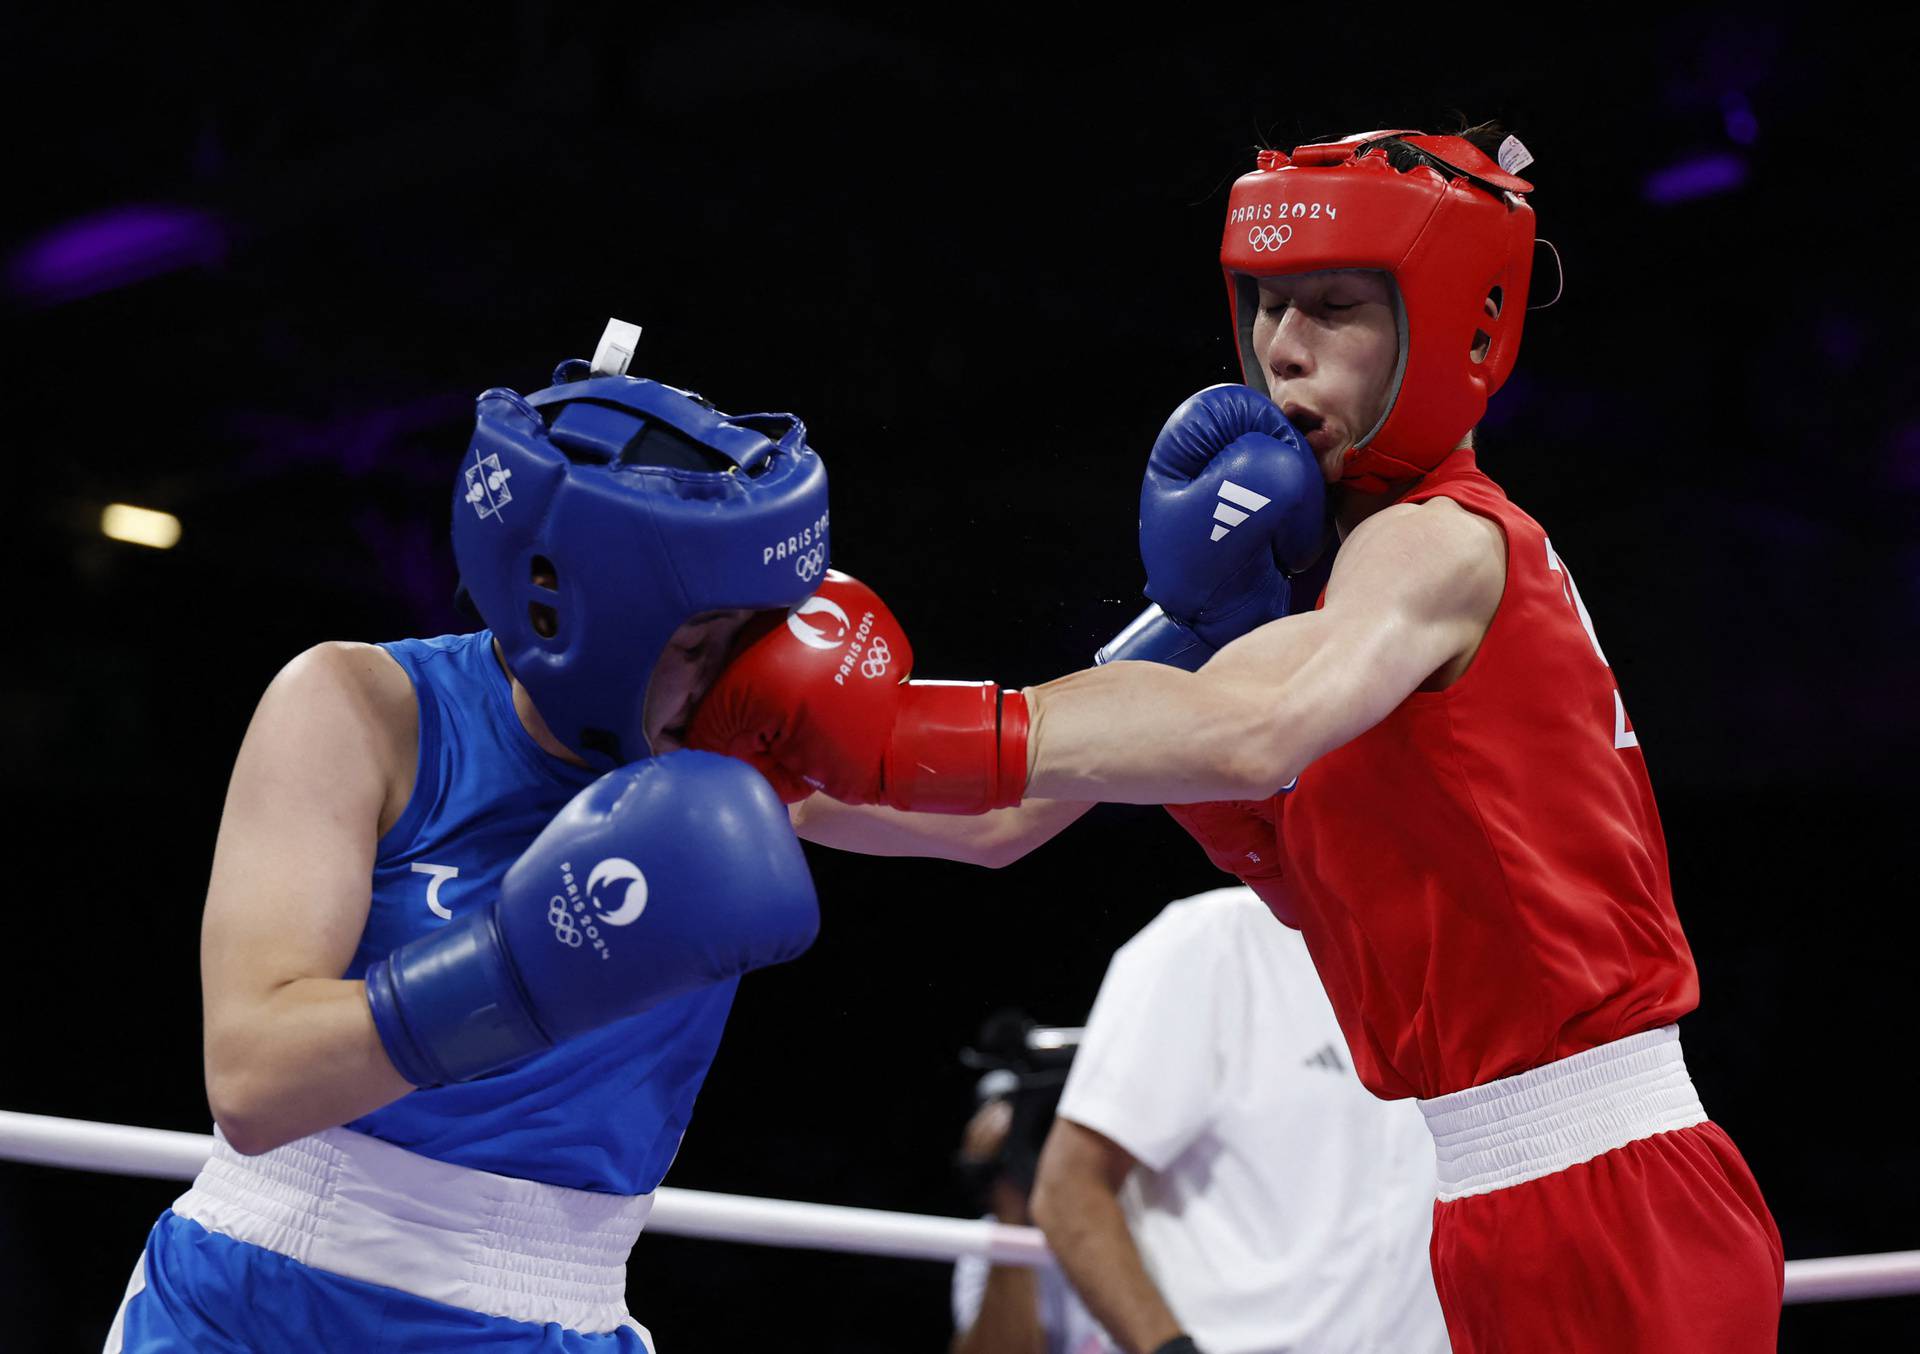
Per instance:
(355,1206)
(1560,1114)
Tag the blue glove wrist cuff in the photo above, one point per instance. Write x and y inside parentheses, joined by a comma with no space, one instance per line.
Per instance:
(1155,637)
(403,1050)
(449,1006)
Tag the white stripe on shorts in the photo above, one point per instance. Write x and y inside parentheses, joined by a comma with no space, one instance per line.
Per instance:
(1561,1113)
(353,1205)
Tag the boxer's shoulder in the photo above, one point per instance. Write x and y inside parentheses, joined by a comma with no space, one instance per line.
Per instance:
(1474,549)
(1441,524)
(345,704)
(364,681)
(1447,555)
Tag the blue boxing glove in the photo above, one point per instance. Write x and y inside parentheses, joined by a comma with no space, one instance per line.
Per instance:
(1232,507)
(657,879)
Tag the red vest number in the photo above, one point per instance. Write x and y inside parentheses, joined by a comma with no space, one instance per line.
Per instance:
(1623,735)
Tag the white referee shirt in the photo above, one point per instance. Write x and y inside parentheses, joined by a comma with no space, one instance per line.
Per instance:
(1278,1204)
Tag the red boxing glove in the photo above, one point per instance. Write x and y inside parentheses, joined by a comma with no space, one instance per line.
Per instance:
(820,698)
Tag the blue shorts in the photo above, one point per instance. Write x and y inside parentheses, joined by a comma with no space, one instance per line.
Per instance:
(341,1241)
(197,1292)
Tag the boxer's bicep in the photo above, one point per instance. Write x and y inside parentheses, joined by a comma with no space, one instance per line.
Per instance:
(1412,589)
(1413,594)
(290,887)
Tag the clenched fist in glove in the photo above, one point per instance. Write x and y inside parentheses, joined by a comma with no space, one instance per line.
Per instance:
(819,699)
(1232,508)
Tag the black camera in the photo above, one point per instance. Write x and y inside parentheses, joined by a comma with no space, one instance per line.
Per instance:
(1025,1064)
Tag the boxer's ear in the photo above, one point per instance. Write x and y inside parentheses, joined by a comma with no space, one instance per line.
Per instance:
(1482,340)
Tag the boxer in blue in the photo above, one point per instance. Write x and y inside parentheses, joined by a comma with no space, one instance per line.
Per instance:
(476,918)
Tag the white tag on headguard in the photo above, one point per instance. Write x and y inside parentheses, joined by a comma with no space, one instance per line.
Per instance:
(1513,156)
(616,348)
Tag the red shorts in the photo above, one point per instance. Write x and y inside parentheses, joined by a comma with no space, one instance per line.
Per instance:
(1659,1244)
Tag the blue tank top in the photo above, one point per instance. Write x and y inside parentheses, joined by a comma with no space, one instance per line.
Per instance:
(604,1111)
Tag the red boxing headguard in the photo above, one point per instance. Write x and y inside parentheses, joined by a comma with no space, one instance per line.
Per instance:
(1450,228)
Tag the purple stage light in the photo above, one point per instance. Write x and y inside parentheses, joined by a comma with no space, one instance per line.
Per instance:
(1701,176)
(408,440)
(1742,127)
(114,248)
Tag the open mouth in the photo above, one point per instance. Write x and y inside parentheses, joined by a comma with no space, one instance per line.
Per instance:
(1302,417)
(1312,426)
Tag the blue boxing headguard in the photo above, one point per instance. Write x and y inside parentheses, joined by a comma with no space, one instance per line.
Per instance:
(593,518)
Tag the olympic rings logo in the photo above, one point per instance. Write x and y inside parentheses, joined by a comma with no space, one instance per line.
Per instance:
(1265,239)
(562,921)
(810,565)
(877,659)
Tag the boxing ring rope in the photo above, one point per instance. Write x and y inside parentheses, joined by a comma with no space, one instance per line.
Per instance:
(159,1153)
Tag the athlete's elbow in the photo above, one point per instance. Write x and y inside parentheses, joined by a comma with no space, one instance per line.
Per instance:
(245,1120)
(1251,779)
(1260,765)
(1245,743)
(243,1138)
(248,1109)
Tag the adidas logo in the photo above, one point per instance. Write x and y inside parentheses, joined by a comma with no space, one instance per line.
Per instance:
(1329,1058)
(1236,505)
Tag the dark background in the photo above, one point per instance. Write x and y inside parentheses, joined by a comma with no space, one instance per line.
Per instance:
(255,278)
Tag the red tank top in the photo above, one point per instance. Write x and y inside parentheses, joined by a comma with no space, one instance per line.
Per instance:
(1481,877)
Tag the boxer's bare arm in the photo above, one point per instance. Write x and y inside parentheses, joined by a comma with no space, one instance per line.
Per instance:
(1413,591)
(325,768)
(990,839)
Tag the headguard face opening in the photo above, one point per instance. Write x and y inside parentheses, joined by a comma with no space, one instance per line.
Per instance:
(595,517)
(1451,230)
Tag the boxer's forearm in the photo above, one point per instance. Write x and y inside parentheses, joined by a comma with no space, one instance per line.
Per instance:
(302,1058)
(1146,733)
(1134,733)
(990,839)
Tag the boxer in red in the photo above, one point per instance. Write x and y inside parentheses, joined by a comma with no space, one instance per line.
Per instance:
(1428,770)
